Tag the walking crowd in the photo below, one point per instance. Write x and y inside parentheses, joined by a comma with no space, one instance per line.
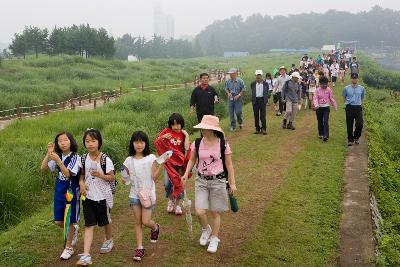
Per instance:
(90,179)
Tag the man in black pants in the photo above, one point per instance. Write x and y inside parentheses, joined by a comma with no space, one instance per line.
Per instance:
(259,99)
(203,98)
(353,96)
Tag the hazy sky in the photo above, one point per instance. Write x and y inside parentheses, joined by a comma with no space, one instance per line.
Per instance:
(136,16)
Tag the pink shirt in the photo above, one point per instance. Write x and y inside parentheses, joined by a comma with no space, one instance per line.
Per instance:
(322,98)
(210,162)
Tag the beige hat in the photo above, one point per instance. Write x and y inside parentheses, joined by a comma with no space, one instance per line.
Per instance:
(282,67)
(259,72)
(209,122)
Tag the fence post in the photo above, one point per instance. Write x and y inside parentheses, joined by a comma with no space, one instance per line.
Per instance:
(120,90)
(165,85)
(80,101)
(72,104)
(185,85)
(19,114)
(46,109)
(94,103)
(90,97)
(142,87)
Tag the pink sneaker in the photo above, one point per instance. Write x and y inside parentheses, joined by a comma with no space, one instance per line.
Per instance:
(178,210)
(154,234)
(139,253)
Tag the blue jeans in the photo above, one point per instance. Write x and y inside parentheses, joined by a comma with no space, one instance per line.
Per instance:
(169,188)
(235,107)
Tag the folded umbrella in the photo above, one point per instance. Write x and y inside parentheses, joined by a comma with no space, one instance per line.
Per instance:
(67,213)
(187,204)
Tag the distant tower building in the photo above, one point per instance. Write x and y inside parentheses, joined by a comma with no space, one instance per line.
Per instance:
(164,24)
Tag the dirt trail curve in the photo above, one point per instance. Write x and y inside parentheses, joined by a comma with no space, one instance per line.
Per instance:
(356,235)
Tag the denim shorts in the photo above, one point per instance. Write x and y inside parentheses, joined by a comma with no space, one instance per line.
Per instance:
(136,201)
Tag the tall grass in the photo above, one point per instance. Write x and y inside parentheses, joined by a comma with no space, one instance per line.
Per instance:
(383,123)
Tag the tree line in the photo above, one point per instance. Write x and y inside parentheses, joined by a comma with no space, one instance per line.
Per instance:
(156,47)
(82,40)
(258,34)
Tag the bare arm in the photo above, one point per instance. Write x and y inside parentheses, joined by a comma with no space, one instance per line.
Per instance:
(60,164)
(155,170)
(187,140)
(231,174)
(192,161)
(45,161)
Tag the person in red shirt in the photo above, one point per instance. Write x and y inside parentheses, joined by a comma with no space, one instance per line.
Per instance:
(176,139)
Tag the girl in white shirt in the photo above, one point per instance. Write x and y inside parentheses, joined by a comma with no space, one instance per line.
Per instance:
(142,170)
(96,194)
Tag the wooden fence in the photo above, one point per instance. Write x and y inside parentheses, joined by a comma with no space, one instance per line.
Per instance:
(20,112)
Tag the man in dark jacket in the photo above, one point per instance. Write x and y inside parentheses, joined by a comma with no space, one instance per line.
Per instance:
(203,98)
(259,98)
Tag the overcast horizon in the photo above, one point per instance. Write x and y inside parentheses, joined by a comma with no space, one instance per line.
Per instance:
(136,17)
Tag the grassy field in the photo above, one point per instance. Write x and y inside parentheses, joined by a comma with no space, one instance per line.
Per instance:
(52,79)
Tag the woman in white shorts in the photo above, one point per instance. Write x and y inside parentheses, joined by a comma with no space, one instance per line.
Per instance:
(210,184)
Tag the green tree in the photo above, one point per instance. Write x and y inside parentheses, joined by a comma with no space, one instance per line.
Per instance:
(19,45)
(36,39)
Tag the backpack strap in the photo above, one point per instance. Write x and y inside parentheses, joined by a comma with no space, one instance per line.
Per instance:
(103,162)
(83,160)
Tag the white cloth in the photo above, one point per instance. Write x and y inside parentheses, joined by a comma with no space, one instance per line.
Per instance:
(281,80)
(140,174)
(98,189)
(259,89)
(334,69)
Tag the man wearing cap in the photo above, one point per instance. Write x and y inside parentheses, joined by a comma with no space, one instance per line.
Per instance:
(259,99)
(280,82)
(203,98)
(234,88)
(291,94)
(353,96)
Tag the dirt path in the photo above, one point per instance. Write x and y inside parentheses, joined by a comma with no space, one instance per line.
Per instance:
(357,244)
(268,178)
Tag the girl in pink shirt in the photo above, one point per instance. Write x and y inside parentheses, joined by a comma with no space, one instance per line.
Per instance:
(322,100)
(210,184)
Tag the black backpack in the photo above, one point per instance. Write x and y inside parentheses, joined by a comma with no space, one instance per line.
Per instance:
(103,164)
(222,149)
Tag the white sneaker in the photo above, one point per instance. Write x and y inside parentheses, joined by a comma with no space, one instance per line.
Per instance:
(170,207)
(213,246)
(205,235)
(84,260)
(107,246)
(75,237)
(67,253)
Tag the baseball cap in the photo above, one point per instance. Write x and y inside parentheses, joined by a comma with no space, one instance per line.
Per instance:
(259,72)
(296,75)
(232,70)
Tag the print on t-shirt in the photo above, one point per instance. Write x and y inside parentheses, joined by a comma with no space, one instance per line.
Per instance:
(207,163)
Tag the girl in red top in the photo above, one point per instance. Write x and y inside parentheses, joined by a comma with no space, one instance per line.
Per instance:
(176,139)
